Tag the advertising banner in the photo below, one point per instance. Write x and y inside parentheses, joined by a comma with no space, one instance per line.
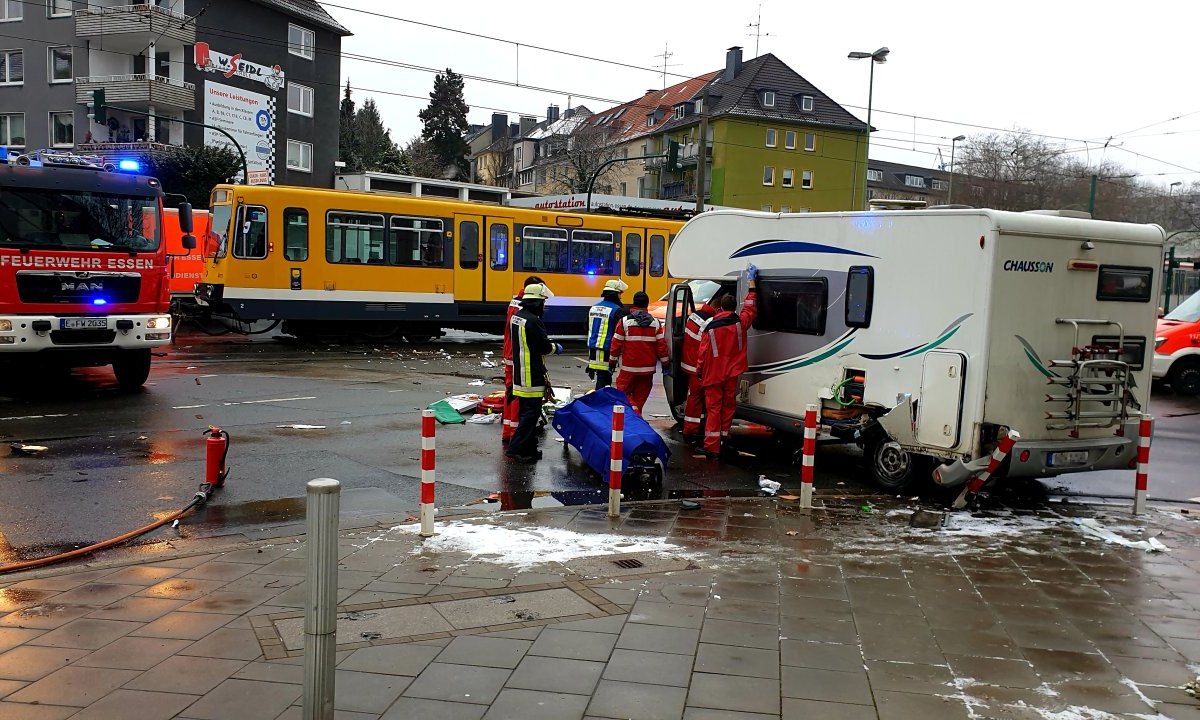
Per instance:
(250,118)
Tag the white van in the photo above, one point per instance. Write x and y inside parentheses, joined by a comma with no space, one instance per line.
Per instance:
(926,335)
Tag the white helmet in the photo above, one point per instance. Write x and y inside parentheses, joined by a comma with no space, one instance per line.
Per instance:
(537,291)
(617,286)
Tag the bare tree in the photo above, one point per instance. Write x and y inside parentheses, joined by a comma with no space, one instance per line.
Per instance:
(495,163)
(572,160)
(421,159)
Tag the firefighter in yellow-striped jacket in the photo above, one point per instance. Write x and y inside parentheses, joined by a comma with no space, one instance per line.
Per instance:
(530,343)
(603,318)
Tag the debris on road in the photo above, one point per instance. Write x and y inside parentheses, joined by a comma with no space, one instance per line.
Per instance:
(485,419)
(23,449)
(1090,527)
(298,426)
(445,413)
(927,519)
(476,383)
(768,486)
(463,403)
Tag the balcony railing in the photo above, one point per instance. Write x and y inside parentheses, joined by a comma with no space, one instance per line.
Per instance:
(138,88)
(141,19)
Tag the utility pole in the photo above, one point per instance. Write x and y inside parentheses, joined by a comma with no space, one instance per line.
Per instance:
(1092,196)
(702,153)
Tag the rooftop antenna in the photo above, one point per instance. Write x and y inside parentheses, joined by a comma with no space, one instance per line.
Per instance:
(666,55)
(758,33)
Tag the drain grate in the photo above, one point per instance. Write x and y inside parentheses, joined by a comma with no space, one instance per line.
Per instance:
(629,563)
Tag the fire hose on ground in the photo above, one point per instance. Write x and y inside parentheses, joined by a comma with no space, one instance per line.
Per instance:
(216,452)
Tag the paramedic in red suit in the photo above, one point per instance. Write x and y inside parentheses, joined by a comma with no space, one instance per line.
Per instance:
(721,360)
(693,411)
(638,344)
(509,420)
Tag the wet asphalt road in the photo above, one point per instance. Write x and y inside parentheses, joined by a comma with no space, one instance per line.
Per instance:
(116,462)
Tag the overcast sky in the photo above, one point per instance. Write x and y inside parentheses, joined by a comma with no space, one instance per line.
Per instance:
(1081,72)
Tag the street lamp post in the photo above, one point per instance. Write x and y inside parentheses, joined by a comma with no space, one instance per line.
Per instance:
(950,192)
(879,56)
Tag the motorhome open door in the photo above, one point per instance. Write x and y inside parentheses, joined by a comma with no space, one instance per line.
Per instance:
(679,308)
(939,412)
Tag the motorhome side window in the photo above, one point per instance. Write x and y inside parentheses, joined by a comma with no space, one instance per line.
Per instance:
(860,291)
(250,242)
(794,305)
(544,249)
(1124,284)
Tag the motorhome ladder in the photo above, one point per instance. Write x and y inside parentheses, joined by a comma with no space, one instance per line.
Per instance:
(1097,388)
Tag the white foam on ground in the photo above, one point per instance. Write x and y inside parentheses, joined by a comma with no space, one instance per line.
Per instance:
(526,547)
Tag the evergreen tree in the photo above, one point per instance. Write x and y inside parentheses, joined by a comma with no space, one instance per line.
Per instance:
(373,142)
(193,170)
(347,141)
(446,124)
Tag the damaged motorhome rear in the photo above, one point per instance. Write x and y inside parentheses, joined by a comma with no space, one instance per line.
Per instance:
(926,336)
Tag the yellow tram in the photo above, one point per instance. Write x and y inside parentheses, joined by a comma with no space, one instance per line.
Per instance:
(335,262)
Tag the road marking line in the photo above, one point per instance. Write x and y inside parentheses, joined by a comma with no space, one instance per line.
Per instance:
(187,407)
(273,400)
(35,417)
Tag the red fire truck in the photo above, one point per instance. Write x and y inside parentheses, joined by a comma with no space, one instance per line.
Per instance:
(84,271)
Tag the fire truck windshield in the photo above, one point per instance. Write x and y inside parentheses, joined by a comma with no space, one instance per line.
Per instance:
(43,219)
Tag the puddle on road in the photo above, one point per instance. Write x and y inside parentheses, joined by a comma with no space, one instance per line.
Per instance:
(534,499)
(256,512)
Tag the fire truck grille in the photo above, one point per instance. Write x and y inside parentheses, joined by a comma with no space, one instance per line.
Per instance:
(71,288)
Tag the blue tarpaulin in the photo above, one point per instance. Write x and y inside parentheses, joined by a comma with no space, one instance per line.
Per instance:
(586,424)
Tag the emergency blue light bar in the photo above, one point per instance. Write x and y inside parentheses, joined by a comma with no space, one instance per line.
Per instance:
(129,166)
(99,301)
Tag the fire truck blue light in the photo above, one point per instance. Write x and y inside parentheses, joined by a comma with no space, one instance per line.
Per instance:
(129,165)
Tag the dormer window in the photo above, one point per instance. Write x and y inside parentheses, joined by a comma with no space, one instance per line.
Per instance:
(768,98)
(649,121)
(680,110)
(806,103)
(698,105)
(875,175)
(914,181)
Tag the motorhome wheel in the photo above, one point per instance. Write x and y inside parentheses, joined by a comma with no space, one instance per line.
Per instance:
(893,467)
(1185,377)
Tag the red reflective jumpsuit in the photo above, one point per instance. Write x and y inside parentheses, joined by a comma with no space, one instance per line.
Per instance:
(722,358)
(693,410)
(509,420)
(639,345)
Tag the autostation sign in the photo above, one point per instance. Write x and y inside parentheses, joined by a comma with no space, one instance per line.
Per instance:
(209,60)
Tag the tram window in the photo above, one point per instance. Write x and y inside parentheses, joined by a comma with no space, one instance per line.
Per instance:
(499,246)
(544,249)
(468,245)
(633,254)
(592,253)
(354,238)
(295,234)
(658,254)
(415,241)
(250,242)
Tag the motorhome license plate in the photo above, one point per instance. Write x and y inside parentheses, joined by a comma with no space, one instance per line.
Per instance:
(82,323)
(1072,457)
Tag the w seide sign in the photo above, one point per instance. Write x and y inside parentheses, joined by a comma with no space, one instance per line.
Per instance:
(209,60)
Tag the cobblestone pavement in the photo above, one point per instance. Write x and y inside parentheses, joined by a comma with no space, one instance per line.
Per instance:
(740,610)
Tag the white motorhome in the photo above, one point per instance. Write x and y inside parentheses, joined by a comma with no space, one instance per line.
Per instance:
(926,335)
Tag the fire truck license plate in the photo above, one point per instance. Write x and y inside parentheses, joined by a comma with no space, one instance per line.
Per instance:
(1060,459)
(82,323)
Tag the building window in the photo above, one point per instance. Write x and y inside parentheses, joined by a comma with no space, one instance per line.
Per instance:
(295,235)
(354,238)
(789,139)
(12,130)
(698,105)
(526,177)
(680,111)
(624,189)
(875,175)
(517,155)
(939,184)
(649,121)
(810,141)
(301,41)
(789,177)
(299,155)
(60,8)
(914,181)
(62,129)
(12,67)
(768,175)
(785,209)
(300,99)
(766,208)
(416,241)
(59,65)
(771,137)
(806,103)
(641,187)
(806,180)
(768,98)
(10,10)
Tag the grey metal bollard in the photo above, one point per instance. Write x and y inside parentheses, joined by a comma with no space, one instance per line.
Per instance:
(320,611)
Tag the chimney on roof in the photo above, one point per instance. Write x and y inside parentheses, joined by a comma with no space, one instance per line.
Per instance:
(514,130)
(527,123)
(552,113)
(499,126)
(733,63)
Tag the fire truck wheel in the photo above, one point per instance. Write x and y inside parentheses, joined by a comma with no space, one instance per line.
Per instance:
(1185,377)
(132,368)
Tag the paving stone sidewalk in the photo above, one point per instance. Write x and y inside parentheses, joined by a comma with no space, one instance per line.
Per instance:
(741,610)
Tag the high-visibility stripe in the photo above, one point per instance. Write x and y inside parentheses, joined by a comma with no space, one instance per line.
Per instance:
(713,434)
(693,335)
(689,368)
(641,338)
(689,419)
(638,370)
(526,367)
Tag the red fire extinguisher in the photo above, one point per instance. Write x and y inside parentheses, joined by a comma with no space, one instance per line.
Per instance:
(216,449)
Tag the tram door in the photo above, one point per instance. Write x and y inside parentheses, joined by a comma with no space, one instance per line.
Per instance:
(498,283)
(468,258)
(633,258)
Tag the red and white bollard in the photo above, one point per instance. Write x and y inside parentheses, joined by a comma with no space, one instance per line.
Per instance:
(428,443)
(808,457)
(975,484)
(1145,432)
(616,461)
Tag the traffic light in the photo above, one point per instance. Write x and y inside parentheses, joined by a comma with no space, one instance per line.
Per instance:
(673,155)
(97,111)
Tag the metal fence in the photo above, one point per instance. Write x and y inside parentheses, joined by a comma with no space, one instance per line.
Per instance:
(1184,282)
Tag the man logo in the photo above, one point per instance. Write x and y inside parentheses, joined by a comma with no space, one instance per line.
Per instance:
(68,286)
